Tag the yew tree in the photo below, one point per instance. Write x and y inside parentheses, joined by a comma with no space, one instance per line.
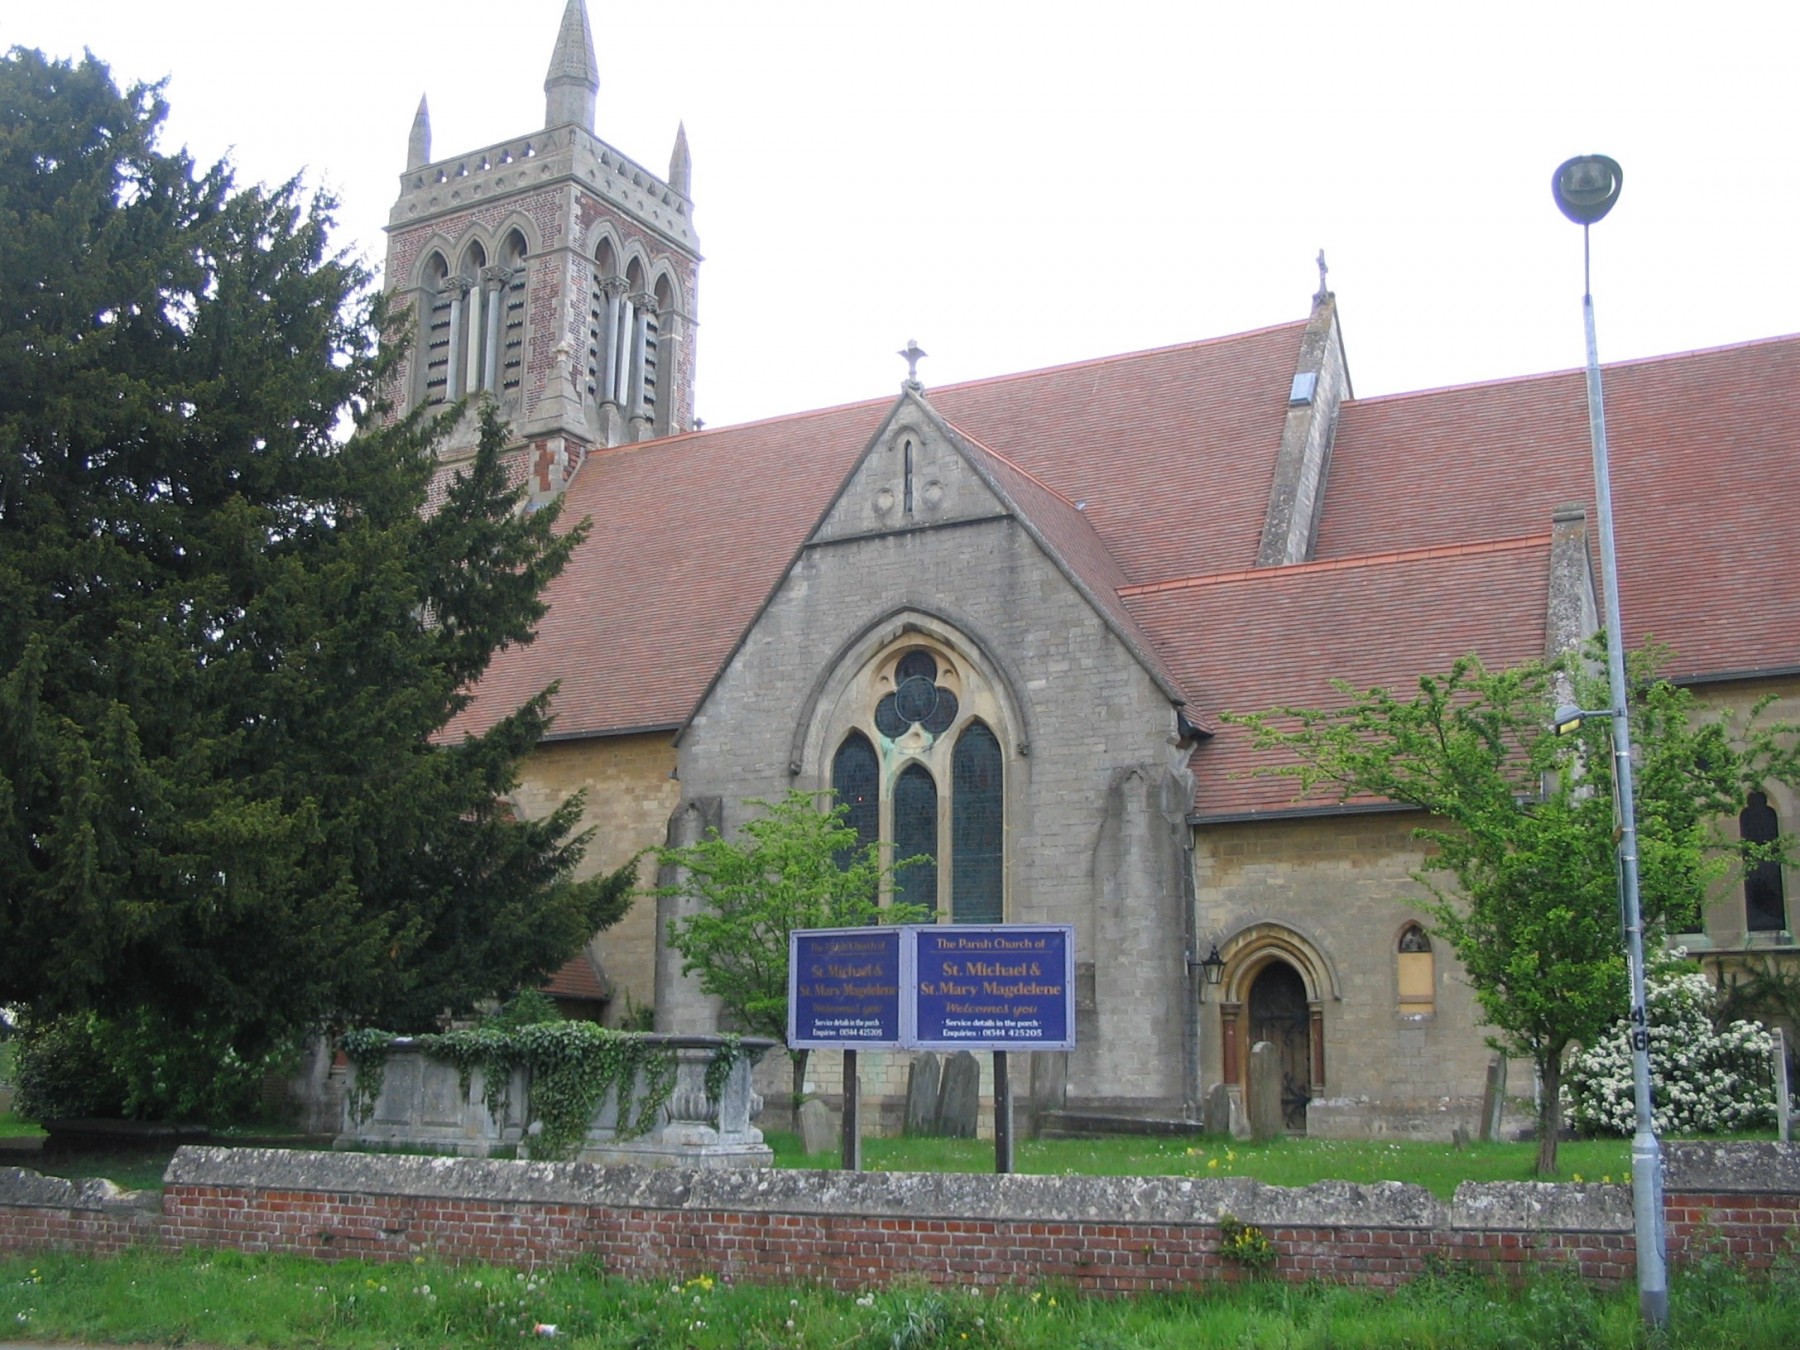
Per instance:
(1521,831)
(232,638)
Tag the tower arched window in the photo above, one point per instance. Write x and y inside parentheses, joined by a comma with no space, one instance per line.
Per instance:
(435,296)
(509,308)
(1765,897)
(665,356)
(938,771)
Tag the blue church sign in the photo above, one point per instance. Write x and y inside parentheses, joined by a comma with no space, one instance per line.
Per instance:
(932,987)
(844,988)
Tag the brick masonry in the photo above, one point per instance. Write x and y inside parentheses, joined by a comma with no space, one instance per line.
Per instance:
(1102,1235)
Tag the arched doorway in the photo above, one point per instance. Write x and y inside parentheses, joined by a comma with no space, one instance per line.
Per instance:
(1280,1013)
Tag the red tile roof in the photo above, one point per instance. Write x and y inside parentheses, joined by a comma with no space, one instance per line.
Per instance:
(1267,637)
(1149,475)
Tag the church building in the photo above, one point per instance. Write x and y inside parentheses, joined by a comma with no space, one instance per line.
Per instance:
(1002,620)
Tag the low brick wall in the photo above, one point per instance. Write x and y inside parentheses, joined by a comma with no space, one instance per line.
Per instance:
(853,1230)
(39,1213)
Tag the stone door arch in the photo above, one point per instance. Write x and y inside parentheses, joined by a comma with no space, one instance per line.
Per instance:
(1274,988)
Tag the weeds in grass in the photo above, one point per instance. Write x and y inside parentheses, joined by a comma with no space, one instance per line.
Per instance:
(224,1298)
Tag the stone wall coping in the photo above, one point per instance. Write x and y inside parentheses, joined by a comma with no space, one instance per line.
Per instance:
(913,1195)
(1748,1167)
(1541,1207)
(22,1188)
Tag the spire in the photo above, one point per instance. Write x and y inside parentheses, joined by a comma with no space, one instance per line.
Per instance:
(681,164)
(418,144)
(574,77)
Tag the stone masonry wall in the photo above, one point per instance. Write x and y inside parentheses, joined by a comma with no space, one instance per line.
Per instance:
(630,793)
(1344,884)
(1083,711)
(1104,1235)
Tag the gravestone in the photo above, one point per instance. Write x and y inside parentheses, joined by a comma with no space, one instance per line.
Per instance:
(1493,1099)
(819,1131)
(959,1104)
(922,1087)
(1265,1092)
(1217,1118)
(1778,1061)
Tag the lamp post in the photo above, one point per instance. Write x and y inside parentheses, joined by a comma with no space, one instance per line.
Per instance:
(1585,189)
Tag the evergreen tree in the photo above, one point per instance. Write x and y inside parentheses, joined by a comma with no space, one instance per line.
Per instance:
(232,640)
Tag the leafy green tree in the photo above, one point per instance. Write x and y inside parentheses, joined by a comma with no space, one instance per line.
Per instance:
(795,866)
(232,637)
(1523,874)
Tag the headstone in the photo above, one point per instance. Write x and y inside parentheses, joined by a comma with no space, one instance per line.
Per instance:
(1217,1119)
(1493,1099)
(1265,1092)
(959,1104)
(922,1087)
(818,1127)
(1778,1061)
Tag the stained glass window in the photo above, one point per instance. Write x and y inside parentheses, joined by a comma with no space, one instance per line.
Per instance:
(977,816)
(918,699)
(915,834)
(856,775)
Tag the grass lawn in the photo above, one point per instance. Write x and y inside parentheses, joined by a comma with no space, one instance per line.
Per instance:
(230,1299)
(1282,1162)
(12,1127)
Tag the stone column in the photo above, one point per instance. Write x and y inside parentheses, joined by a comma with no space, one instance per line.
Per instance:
(456,288)
(493,283)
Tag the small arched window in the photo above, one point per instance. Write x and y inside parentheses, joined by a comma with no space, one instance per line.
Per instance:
(1416,973)
(1765,897)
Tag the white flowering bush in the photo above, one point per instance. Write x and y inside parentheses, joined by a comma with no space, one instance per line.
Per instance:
(1703,1080)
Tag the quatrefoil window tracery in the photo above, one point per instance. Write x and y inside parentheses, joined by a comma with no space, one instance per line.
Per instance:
(918,700)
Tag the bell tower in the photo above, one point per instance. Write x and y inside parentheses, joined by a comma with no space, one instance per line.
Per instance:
(551,273)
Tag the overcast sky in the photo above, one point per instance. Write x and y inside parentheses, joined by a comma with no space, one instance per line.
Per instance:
(1023,184)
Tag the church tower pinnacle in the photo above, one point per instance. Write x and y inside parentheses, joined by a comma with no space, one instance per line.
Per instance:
(552,274)
(418,143)
(573,81)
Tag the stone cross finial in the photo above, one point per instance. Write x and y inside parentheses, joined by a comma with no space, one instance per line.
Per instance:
(912,352)
(1324,290)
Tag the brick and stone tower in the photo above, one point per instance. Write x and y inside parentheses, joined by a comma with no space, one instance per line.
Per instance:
(552,273)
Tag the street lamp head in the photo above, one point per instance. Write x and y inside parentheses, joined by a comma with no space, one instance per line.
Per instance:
(1586,187)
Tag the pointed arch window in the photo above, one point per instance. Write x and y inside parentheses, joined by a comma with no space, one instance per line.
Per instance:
(925,774)
(977,814)
(1765,897)
(856,778)
(916,836)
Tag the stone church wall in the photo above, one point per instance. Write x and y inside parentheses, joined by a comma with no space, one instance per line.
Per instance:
(1085,711)
(1344,884)
(630,793)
